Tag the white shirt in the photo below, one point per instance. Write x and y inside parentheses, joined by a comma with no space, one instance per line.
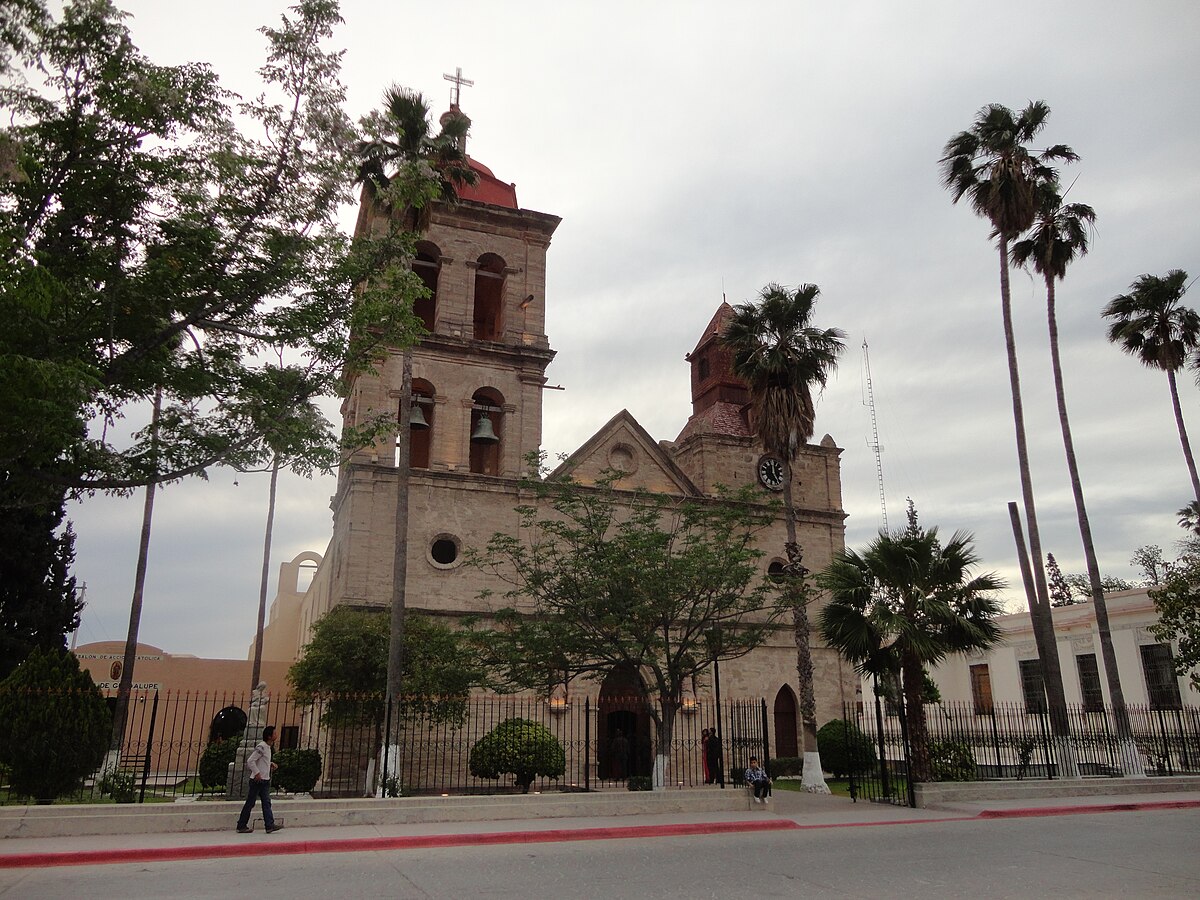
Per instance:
(259,762)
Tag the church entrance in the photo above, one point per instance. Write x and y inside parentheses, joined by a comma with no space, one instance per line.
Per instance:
(624,740)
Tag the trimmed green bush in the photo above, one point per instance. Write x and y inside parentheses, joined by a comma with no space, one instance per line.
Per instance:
(521,748)
(121,786)
(845,750)
(56,726)
(299,770)
(640,783)
(215,762)
(951,761)
(787,765)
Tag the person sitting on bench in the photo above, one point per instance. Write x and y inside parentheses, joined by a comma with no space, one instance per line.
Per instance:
(759,780)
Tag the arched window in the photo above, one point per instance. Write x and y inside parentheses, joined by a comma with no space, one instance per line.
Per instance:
(488,316)
(487,431)
(428,266)
(420,424)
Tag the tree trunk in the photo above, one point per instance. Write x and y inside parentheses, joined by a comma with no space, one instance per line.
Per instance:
(399,555)
(1131,759)
(812,777)
(256,671)
(1039,605)
(125,686)
(666,734)
(1183,435)
(918,730)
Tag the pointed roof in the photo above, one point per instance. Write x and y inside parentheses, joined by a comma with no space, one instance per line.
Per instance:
(622,443)
(715,326)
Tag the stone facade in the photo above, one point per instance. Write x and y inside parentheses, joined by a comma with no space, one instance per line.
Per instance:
(487,354)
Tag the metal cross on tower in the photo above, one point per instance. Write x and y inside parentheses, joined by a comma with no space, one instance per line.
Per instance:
(459,81)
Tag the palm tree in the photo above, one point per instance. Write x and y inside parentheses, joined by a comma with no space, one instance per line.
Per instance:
(1189,518)
(1150,323)
(1058,236)
(782,356)
(991,166)
(907,603)
(403,140)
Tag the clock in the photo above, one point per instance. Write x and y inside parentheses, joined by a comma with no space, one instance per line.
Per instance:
(770,473)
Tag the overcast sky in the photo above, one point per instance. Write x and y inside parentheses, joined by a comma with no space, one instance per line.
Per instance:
(695,149)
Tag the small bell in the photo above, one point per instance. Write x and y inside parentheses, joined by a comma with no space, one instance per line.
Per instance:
(483,433)
(416,419)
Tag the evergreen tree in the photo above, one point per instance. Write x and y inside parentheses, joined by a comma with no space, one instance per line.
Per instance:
(1060,591)
(56,726)
(39,604)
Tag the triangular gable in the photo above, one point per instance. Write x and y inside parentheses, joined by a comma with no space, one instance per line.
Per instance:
(624,444)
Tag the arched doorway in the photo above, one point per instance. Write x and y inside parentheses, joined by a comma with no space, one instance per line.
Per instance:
(229,722)
(785,723)
(624,745)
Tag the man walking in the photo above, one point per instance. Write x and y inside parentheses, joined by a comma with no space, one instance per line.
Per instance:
(260,766)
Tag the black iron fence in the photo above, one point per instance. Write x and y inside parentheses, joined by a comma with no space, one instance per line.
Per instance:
(1012,742)
(180,744)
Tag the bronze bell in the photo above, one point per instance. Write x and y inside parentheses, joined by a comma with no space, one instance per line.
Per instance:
(483,433)
(416,418)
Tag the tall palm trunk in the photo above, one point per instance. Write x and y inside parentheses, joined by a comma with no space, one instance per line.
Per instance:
(1183,435)
(256,671)
(125,686)
(395,666)
(914,701)
(1039,603)
(812,776)
(1131,759)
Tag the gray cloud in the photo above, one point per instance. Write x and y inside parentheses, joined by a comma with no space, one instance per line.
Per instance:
(691,146)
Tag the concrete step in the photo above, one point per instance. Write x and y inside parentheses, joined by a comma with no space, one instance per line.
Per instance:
(934,795)
(221,815)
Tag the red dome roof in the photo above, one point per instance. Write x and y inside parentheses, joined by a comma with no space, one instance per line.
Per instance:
(490,189)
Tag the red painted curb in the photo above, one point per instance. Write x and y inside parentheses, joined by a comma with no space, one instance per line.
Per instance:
(1082,810)
(354,845)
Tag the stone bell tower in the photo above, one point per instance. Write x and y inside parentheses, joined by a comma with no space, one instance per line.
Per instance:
(478,378)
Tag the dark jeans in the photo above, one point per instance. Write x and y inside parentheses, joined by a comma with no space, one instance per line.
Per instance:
(761,788)
(257,790)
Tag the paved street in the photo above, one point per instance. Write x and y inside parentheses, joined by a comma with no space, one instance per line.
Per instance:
(1126,854)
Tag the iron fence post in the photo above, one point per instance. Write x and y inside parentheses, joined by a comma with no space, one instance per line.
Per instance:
(149,740)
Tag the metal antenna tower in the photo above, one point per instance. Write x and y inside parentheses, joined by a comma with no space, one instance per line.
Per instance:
(874,442)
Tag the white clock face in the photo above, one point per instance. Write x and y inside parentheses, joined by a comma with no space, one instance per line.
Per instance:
(770,472)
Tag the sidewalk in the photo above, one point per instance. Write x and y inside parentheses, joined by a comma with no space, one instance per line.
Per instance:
(787,811)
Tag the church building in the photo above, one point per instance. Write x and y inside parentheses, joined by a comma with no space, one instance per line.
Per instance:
(478,378)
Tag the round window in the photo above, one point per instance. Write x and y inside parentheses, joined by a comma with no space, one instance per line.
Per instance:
(444,550)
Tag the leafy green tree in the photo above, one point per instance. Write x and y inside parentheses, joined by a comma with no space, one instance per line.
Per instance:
(161,234)
(992,167)
(299,770)
(1152,324)
(1081,586)
(845,750)
(783,357)
(521,748)
(56,726)
(1178,605)
(215,761)
(345,664)
(1149,558)
(907,602)
(39,604)
(601,578)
